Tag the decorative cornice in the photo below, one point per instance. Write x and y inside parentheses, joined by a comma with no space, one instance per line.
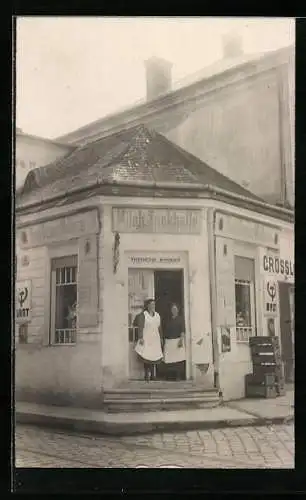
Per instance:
(164,190)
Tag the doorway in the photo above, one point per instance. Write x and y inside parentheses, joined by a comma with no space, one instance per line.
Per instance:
(286,304)
(169,289)
(166,287)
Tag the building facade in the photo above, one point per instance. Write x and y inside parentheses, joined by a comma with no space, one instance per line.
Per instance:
(237,116)
(32,152)
(88,258)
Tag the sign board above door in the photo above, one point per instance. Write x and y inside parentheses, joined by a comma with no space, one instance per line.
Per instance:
(59,229)
(157,220)
(161,260)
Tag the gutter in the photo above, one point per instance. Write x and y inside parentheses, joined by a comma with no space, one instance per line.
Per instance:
(173,185)
(206,187)
(213,296)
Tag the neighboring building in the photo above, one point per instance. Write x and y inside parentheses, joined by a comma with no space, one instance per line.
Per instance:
(236,115)
(32,152)
(129,216)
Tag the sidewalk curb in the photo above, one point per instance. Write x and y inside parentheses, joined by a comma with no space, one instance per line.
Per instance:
(132,428)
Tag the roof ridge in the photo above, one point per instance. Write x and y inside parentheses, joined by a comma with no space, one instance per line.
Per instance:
(254,56)
(39,173)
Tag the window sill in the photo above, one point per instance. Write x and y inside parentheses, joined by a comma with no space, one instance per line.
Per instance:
(68,344)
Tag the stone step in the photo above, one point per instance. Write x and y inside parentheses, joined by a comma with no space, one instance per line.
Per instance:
(149,389)
(148,405)
(159,399)
(159,395)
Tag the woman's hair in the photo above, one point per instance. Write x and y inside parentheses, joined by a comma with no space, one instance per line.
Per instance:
(146,303)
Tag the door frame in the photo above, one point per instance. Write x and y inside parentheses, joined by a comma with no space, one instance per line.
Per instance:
(182,277)
(152,262)
(285,301)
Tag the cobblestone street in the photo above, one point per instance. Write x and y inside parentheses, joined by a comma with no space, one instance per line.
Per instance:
(243,447)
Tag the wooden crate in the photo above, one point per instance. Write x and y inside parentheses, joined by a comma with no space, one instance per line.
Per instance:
(260,391)
(259,359)
(267,379)
(262,348)
(260,369)
(264,341)
(280,390)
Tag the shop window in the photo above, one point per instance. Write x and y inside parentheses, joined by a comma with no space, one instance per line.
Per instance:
(64,292)
(23,334)
(245,298)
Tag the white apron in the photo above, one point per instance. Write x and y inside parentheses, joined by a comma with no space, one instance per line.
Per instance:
(151,350)
(173,353)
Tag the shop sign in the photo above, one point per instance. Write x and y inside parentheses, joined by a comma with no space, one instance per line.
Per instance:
(60,229)
(271,327)
(276,265)
(157,220)
(246,230)
(270,297)
(155,260)
(23,310)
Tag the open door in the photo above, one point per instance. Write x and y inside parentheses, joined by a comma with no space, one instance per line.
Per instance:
(169,289)
(140,288)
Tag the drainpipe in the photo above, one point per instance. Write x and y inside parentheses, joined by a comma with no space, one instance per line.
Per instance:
(213,295)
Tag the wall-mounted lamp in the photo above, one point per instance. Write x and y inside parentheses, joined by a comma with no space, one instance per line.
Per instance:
(116,252)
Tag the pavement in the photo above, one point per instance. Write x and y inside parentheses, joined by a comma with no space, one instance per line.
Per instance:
(244,412)
(229,448)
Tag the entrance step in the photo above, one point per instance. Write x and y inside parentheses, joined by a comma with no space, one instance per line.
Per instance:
(158,396)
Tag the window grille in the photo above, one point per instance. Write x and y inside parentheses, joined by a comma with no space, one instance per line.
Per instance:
(245,299)
(64,309)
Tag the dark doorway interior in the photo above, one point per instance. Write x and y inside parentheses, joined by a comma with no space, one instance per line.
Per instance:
(287,329)
(169,288)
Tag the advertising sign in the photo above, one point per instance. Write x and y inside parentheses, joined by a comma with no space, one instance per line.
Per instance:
(23,308)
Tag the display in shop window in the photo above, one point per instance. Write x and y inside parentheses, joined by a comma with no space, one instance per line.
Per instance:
(66,305)
(23,333)
(64,300)
(245,309)
(271,327)
(243,305)
(225,339)
(72,315)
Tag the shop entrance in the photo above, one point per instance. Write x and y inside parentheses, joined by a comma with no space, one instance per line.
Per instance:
(166,287)
(169,289)
(286,302)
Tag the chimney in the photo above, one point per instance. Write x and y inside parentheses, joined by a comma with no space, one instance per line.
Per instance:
(232,46)
(158,75)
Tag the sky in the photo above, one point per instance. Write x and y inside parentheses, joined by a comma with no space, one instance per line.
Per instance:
(71,71)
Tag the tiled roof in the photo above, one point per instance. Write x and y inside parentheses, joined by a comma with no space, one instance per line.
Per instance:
(135,155)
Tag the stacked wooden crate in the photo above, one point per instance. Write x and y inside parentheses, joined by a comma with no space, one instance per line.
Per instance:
(267,379)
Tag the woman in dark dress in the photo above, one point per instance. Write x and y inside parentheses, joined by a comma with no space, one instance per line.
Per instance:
(174,346)
(148,346)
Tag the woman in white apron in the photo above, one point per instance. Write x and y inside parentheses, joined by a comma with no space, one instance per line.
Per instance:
(174,346)
(148,346)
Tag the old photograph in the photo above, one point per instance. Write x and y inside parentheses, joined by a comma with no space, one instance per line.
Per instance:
(154,242)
